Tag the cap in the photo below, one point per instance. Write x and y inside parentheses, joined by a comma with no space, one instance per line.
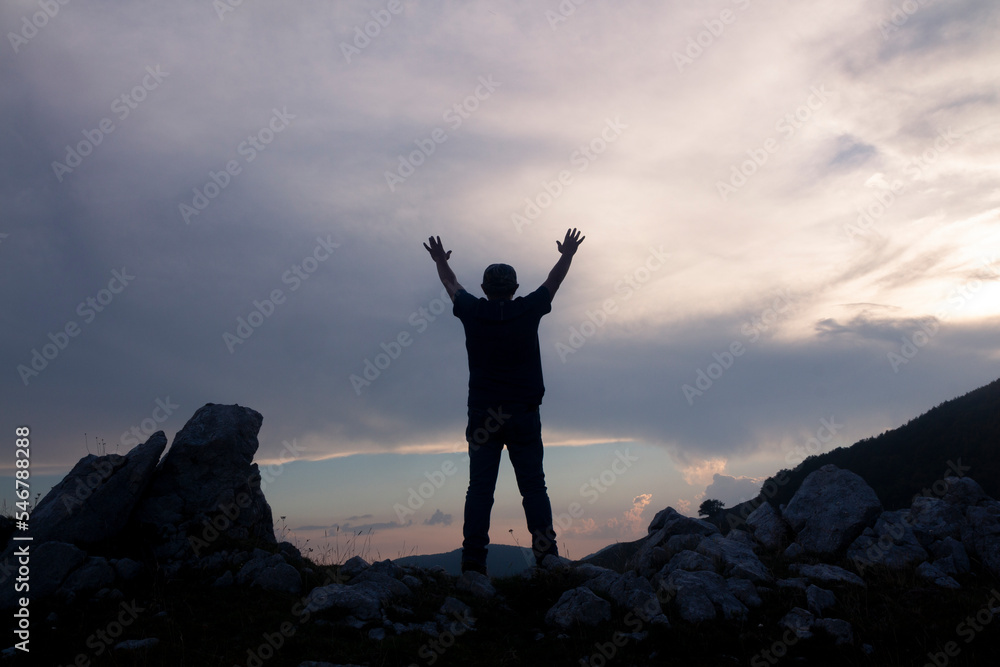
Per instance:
(499,278)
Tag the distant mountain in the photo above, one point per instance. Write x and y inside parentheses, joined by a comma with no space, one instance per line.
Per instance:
(904,461)
(502,560)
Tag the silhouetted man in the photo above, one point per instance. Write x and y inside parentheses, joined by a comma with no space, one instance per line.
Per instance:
(505,390)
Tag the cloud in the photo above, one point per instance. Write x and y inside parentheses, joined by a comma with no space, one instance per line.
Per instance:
(623,527)
(633,516)
(702,471)
(438,517)
(733,490)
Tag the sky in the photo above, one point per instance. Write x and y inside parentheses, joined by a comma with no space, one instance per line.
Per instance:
(790,209)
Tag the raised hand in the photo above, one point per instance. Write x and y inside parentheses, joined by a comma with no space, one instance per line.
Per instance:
(570,244)
(436,249)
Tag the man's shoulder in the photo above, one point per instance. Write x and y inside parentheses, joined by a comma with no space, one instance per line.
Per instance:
(463,302)
(541,297)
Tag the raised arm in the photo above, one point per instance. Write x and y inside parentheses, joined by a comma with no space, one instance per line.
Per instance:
(567,249)
(445,273)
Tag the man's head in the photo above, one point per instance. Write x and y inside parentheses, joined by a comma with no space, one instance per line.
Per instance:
(499,282)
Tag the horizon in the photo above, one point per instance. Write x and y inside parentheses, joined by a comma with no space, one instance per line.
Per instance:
(791,217)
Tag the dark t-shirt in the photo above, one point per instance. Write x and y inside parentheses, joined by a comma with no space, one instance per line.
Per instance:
(505,364)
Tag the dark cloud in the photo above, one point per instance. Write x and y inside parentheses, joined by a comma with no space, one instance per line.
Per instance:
(438,517)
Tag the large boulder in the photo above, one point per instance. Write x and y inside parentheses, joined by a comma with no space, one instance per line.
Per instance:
(891,543)
(767,527)
(207,486)
(935,519)
(963,492)
(734,559)
(668,523)
(362,603)
(830,509)
(629,591)
(671,522)
(94,501)
(702,596)
(579,607)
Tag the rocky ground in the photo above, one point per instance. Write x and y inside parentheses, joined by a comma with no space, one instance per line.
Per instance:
(142,561)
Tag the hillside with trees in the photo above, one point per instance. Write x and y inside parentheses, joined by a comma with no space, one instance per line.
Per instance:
(908,460)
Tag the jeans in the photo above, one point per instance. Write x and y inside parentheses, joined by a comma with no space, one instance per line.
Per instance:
(520,429)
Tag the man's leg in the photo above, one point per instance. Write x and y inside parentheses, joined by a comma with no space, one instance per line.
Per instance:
(524,445)
(485,447)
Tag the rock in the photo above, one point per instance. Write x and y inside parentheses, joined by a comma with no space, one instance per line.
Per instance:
(799,621)
(767,527)
(207,486)
(982,536)
(667,523)
(354,566)
(934,575)
(382,586)
(225,580)
(954,551)
(741,536)
(94,501)
(830,510)
(892,543)
(819,600)
(840,630)
(137,644)
(51,563)
(260,561)
(935,519)
(674,523)
(734,559)
(667,516)
(963,492)
(702,596)
(827,574)
(793,583)
(578,607)
(552,563)
(629,591)
(589,570)
(94,574)
(678,543)
(453,608)
(476,583)
(794,551)
(744,591)
(358,602)
(378,634)
(385,567)
(127,569)
(291,553)
(692,561)
(281,578)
